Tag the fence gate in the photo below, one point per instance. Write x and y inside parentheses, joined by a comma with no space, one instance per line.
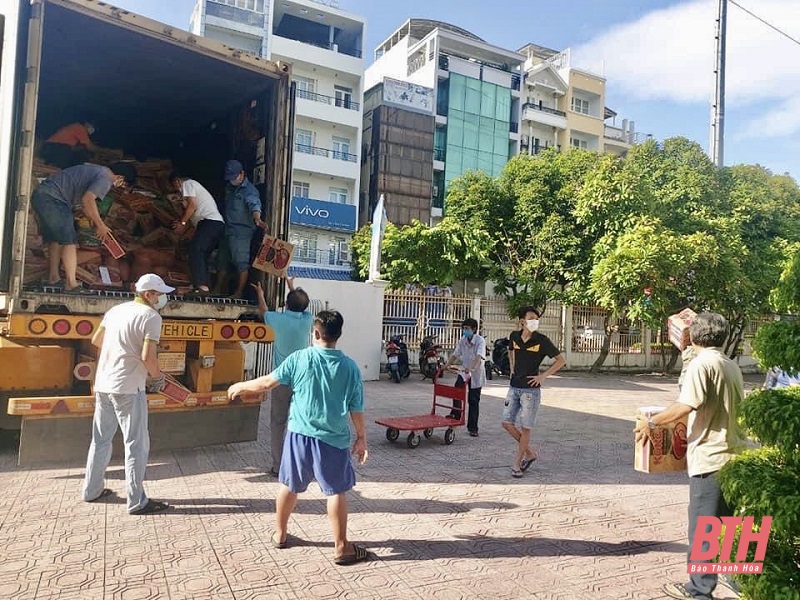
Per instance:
(415,315)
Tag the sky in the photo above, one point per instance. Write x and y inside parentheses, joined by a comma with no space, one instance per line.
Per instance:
(657,56)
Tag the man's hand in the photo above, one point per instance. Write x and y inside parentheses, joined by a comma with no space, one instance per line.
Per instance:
(259,290)
(260,224)
(642,430)
(360,450)
(102,231)
(235,391)
(536,380)
(179,227)
(155,385)
(290,283)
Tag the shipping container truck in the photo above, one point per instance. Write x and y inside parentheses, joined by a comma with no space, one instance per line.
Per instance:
(153,91)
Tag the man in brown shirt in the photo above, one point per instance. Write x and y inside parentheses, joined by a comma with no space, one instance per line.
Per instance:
(711,393)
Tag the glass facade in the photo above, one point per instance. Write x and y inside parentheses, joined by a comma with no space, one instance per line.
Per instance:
(478,120)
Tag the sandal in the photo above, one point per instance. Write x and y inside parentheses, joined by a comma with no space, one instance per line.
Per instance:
(516,473)
(360,554)
(106,492)
(276,543)
(152,507)
(526,463)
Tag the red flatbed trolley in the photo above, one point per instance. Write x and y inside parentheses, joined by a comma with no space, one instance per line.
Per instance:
(427,423)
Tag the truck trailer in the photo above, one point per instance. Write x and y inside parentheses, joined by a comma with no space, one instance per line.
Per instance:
(154,91)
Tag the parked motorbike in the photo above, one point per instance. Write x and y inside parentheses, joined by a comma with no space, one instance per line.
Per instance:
(397,355)
(500,363)
(430,357)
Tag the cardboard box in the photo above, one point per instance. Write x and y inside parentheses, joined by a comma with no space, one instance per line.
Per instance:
(666,450)
(274,256)
(174,390)
(114,247)
(678,327)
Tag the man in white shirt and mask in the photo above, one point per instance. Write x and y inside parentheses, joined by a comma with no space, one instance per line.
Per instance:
(128,339)
(526,351)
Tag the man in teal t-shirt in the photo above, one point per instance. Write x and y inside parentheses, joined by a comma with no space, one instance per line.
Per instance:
(327,390)
(292,329)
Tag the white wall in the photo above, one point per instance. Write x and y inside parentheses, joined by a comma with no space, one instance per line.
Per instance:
(393,64)
(361,305)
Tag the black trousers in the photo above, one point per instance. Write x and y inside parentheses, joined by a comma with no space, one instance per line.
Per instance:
(64,156)
(705,500)
(206,238)
(473,402)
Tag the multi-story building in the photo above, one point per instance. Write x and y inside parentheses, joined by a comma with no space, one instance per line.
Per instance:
(397,160)
(324,45)
(564,106)
(476,94)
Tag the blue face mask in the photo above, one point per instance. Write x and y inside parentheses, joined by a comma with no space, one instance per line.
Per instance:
(467,333)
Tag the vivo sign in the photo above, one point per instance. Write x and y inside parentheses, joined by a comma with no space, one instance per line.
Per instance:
(323,215)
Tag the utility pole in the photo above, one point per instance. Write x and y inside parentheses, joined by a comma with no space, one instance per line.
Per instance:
(718,113)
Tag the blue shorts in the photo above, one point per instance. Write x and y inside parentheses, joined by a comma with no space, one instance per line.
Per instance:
(56,222)
(235,250)
(522,403)
(306,458)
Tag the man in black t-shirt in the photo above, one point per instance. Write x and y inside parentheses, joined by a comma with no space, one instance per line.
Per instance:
(527,349)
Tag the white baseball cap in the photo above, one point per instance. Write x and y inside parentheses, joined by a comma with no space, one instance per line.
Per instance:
(153,283)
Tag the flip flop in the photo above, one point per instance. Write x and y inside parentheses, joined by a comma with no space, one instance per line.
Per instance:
(360,554)
(277,543)
(516,473)
(152,507)
(106,492)
(526,463)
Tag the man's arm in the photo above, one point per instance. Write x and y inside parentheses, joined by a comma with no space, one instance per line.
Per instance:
(360,445)
(89,203)
(253,202)
(262,384)
(456,354)
(150,358)
(262,301)
(191,208)
(673,413)
(480,356)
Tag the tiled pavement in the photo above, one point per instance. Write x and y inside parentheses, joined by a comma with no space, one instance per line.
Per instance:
(443,521)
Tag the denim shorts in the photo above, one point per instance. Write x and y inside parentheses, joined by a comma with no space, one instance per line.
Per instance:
(522,403)
(56,222)
(235,250)
(306,458)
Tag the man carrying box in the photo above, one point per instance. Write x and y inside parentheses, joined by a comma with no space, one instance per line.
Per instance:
(710,395)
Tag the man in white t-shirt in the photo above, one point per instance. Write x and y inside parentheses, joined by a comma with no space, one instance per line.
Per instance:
(201,210)
(128,340)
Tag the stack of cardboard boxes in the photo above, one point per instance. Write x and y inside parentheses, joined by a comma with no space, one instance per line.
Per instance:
(141,220)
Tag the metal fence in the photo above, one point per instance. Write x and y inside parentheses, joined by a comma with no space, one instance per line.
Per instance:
(589,332)
(415,315)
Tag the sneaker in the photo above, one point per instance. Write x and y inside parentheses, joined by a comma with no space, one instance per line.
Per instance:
(676,590)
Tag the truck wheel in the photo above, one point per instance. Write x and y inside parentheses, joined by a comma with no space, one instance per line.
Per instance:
(413,439)
(428,433)
(392,434)
(449,436)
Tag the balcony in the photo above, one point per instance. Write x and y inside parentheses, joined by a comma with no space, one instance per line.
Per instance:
(617,134)
(513,127)
(444,62)
(439,154)
(326,162)
(516,81)
(327,108)
(326,258)
(327,55)
(544,115)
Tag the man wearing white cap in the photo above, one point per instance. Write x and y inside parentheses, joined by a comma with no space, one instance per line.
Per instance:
(128,340)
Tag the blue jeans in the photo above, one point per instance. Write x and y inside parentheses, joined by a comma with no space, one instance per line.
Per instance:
(129,412)
(525,401)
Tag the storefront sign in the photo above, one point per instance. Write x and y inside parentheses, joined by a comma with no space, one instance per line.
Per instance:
(323,215)
(408,95)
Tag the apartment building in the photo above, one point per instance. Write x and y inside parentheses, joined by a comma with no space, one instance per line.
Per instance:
(476,93)
(324,45)
(565,106)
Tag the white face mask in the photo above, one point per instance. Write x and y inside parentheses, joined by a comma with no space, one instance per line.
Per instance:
(532,325)
(161,302)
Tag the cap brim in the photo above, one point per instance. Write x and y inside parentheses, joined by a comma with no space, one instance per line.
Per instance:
(165,289)
(230,178)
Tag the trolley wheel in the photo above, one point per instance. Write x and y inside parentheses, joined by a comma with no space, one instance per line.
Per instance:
(392,434)
(413,439)
(428,433)
(449,436)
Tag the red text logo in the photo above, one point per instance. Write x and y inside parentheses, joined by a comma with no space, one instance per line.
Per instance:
(708,532)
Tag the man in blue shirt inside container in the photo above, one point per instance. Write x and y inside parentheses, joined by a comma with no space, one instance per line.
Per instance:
(292,329)
(242,217)
(327,388)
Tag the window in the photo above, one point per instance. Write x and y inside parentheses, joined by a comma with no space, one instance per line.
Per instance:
(300,189)
(305,246)
(339,252)
(580,106)
(338,195)
(344,96)
(341,148)
(576,143)
(305,87)
(304,141)
(256,5)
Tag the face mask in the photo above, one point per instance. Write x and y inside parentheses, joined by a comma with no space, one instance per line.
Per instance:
(161,302)
(467,333)
(532,325)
